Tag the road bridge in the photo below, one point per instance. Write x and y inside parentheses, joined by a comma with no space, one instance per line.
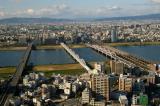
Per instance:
(76,57)
(123,57)
(11,87)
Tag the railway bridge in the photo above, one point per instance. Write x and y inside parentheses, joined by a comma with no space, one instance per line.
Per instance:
(123,57)
(12,84)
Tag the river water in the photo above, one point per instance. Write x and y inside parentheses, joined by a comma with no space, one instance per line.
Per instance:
(151,52)
(60,56)
(44,57)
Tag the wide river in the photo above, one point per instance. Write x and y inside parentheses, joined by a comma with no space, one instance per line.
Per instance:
(44,57)
(151,52)
(59,56)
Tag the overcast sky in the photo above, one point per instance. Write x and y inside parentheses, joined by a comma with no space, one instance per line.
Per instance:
(77,8)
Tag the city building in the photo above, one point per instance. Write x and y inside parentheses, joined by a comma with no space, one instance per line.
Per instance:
(116,67)
(135,100)
(150,79)
(125,83)
(140,100)
(86,96)
(143,100)
(97,103)
(100,87)
(123,100)
(100,66)
(138,86)
(114,34)
(45,92)
(75,87)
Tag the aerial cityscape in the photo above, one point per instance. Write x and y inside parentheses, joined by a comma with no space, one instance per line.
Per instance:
(80,53)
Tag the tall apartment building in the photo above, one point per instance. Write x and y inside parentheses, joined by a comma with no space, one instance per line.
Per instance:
(125,83)
(100,86)
(116,67)
(114,34)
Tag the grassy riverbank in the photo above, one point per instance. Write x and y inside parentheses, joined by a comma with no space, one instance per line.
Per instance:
(39,47)
(57,67)
(12,48)
(59,46)
(133,44)
(6,71)
(65,69)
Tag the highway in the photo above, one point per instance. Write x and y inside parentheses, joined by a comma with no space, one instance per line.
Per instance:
(11,87)
(123,57)
(76,57)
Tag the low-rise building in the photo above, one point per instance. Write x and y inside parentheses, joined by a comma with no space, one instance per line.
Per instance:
(93,102)
(125,83)
(86,96)
(123,100)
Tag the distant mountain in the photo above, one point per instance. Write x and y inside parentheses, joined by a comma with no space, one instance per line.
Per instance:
(53,20)
(32,20)
(140,17)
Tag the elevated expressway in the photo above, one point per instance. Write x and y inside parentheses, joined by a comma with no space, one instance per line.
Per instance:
(76,57)
(121,56)
(11,87)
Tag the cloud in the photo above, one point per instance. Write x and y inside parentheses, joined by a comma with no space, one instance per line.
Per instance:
(105,10)
(2,14)
(114,8)
(97,12)
(156,1)
(16,1)
(63,10)
(30,11)
(54,10)
(20,13)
